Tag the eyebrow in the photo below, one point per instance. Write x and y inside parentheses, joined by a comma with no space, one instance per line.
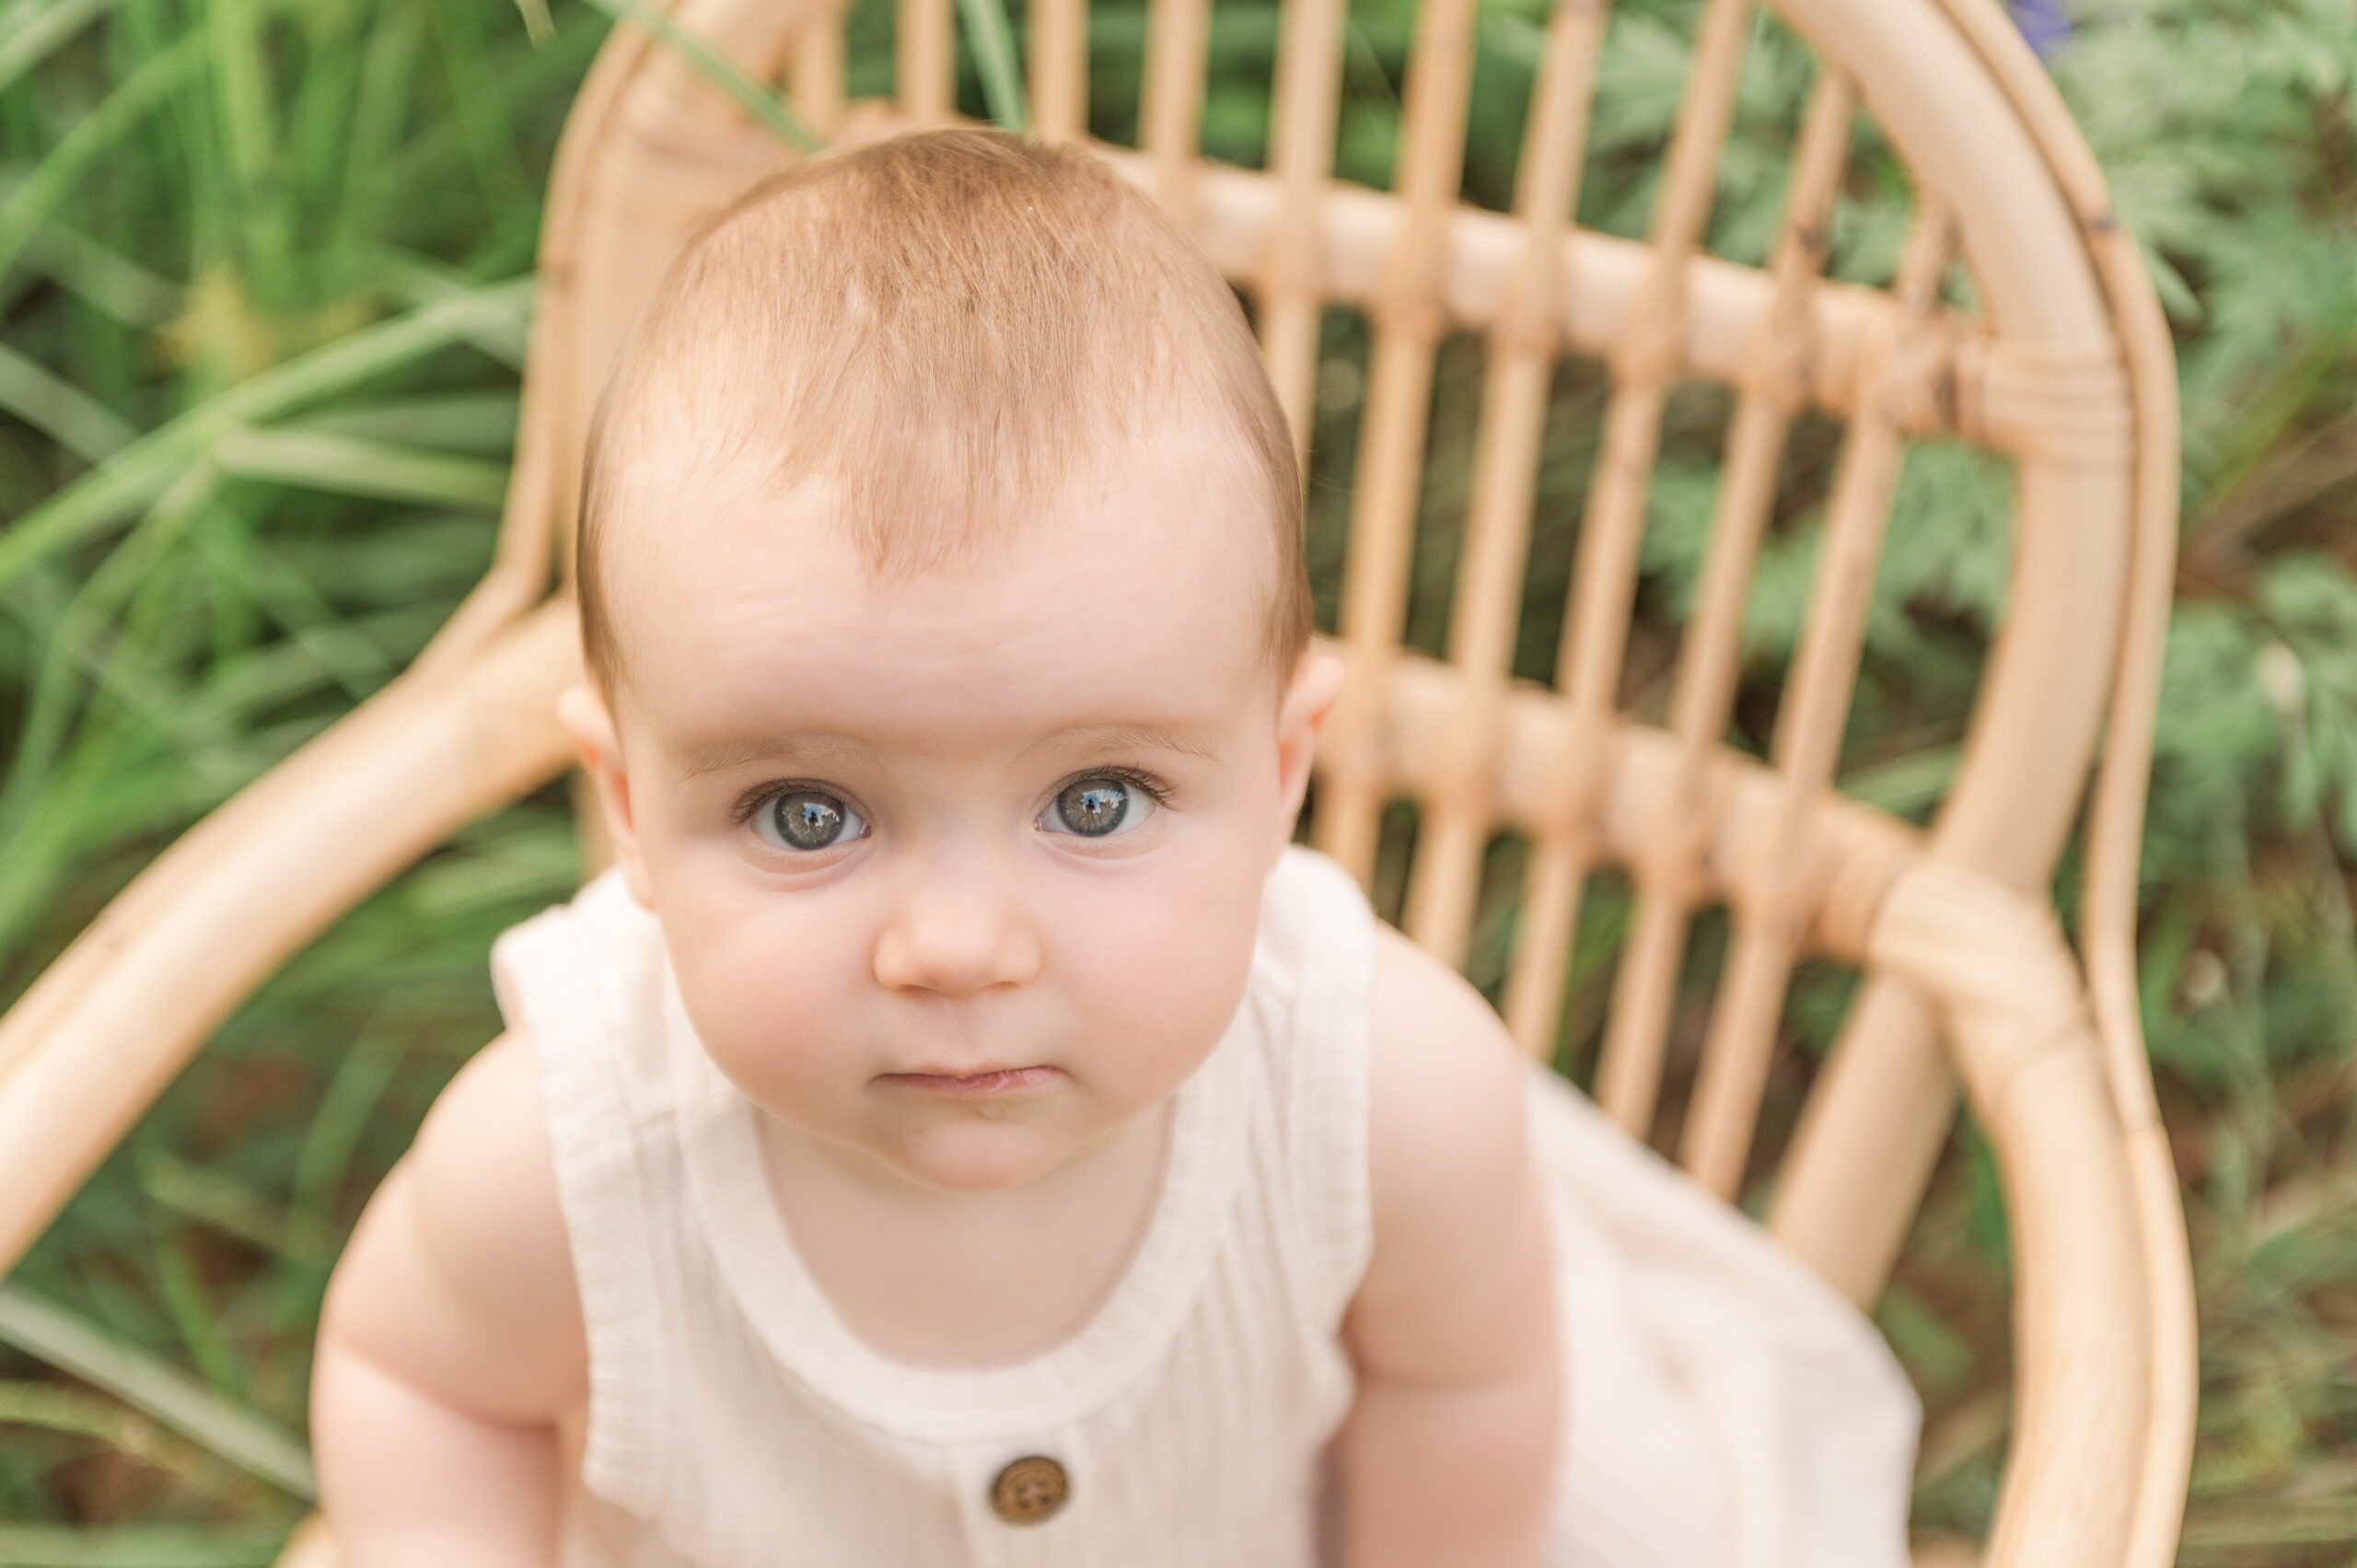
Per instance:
(821,746)
(1133,738)
(813,746)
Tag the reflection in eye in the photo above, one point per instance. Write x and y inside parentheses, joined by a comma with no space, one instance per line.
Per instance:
(806,820)
(1097,809)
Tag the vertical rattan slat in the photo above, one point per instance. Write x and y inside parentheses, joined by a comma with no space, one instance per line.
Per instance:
(1523,343)
(1059,31)
(1643,365)
(1772,906)
(1711,658)
(816,78)
(1304,101)
(928,60)
(1170,103)
(1408,321)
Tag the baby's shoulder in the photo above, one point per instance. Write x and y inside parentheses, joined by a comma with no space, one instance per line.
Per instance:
(1438,1053)
(458,1280)
(1459,1249)
(483,1192)
(1445,1092)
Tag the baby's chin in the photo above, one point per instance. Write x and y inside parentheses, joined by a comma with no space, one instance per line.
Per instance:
(978,1153)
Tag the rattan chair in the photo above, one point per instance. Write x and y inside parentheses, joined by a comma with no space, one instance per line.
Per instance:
(2065,369)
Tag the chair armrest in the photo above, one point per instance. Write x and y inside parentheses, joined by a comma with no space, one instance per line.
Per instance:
(97,1037)
(1997,968)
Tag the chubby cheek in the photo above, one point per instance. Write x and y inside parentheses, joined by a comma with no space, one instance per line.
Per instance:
(1154,970)
(774,987)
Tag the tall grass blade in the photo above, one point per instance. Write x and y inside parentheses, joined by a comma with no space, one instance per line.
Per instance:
(103,276)
(243,98)
(57,680)
(34,201)
(538,26)
(217,1199)
(254,1444)
(60,410)
(31,32)
(141,472)
(1905,786)
(717,68)
(53,1407)
(417,281)
(344,466)
(991,38)
(474,422)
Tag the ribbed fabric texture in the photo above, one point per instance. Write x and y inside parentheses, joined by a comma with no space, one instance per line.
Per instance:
(1723,1407)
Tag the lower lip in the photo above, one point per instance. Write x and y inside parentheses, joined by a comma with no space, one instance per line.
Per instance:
(980,1085)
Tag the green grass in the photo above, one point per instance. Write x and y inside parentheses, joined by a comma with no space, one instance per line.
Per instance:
(264,283)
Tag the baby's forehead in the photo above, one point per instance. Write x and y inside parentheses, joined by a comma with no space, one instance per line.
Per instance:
(920,504)
(1172,523)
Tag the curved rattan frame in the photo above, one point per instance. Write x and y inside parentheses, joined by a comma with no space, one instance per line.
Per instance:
(2069,373)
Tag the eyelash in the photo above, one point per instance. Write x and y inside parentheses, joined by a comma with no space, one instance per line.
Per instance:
(753,799)
(1146,783)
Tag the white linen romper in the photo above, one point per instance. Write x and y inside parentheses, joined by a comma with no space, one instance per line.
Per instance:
(1722,1406)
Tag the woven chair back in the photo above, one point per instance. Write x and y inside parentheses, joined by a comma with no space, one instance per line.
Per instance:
(1472,386)
(1506,796)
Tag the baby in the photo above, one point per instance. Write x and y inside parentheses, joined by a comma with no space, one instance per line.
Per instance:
(959,1129)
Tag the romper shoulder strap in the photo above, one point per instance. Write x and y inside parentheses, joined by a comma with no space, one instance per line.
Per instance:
(1315,962)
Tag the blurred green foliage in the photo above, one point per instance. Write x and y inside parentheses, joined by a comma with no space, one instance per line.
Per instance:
(263,289)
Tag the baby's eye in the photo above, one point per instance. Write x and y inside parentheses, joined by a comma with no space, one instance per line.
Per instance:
(1097,809)
(806,820)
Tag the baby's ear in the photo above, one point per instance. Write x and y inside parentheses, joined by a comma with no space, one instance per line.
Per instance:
(1317,684)
(587,718)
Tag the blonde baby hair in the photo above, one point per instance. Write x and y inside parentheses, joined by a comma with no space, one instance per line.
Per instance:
(945,326)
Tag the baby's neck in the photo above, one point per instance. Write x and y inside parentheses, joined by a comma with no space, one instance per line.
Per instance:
(932,1278)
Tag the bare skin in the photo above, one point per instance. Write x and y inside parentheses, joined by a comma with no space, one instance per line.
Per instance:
(991,1009)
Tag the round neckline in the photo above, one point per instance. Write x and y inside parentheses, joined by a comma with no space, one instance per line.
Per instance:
(1121,1341)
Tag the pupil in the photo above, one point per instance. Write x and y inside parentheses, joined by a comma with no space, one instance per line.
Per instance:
(810,821)
(1093,806)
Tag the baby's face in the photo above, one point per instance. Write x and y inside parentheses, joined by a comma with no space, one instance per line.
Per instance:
(957,870)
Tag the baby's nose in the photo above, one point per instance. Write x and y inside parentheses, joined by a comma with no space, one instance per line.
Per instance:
(954,944)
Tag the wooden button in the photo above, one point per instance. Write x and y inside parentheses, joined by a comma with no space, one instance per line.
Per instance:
(1030,1491)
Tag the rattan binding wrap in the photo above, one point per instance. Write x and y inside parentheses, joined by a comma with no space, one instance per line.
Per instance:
(2067,371)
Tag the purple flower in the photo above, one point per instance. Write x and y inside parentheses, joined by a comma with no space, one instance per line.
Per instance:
(2043,23)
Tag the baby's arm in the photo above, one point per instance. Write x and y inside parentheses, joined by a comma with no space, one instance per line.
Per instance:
(452,1340)
(1448,1455)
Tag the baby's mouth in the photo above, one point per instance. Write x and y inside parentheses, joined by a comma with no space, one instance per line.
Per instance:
(970,1086)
